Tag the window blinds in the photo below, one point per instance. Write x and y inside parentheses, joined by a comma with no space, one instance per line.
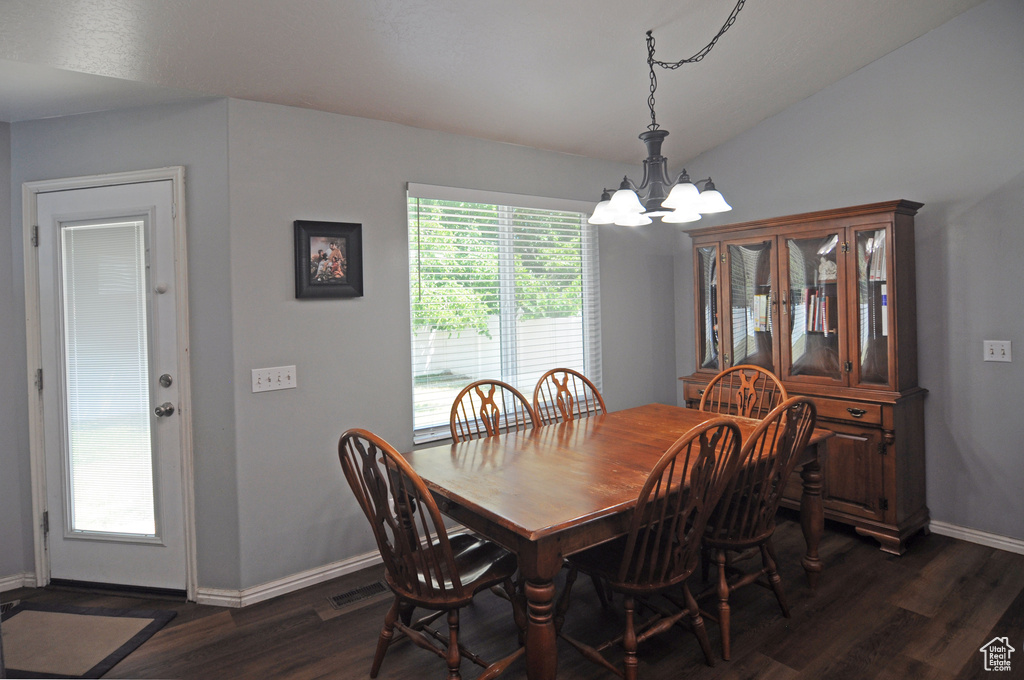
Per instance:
(502,287)
(110,471)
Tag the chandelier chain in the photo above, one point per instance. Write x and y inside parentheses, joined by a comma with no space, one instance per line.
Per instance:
(703,52)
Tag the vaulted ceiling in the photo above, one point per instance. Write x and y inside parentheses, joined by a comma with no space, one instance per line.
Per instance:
(566,75)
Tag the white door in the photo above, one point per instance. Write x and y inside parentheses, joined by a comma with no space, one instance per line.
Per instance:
(110,385)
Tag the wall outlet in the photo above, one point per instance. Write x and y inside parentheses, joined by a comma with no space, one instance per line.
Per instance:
(277,378)
(997,350)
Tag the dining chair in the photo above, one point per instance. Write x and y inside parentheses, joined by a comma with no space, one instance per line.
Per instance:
(423,566)
(745,390)
(662,547)
(744,518)
(488,407)
(565,394)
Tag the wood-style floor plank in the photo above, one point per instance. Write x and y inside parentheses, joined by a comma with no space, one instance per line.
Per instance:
(921,616)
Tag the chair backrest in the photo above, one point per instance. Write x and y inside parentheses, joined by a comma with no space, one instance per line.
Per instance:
(746,511)
(744,390)
(565,394)
(488,407)
(663,543)
(406,522)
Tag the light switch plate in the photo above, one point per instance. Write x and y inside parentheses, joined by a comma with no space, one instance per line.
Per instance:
(997,350)
(276,378)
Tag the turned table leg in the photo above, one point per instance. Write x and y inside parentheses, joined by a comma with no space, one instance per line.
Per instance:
(812,516)
(539,566)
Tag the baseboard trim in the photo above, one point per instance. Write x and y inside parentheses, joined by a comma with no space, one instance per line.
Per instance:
(282,586)
(1014,545)
(26,579)
(242,598)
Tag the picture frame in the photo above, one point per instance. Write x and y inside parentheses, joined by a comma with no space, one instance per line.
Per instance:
(328,259)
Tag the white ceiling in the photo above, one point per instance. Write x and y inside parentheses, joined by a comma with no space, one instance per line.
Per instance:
(567,75)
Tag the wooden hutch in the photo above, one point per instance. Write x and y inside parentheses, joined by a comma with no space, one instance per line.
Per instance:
(826,301)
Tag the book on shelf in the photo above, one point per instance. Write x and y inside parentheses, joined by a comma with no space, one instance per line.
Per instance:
(760,311)
(819,309)
(885,309)
(876,258)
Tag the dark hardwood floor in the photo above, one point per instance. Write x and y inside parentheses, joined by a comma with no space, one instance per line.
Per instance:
(922,615)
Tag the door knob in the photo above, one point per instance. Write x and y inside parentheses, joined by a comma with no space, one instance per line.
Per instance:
(165,409)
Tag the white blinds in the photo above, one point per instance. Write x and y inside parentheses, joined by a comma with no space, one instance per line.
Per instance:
(499,291)
(110,470)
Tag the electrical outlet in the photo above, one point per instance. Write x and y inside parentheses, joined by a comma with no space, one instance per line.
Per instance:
(277,378)
(997,350)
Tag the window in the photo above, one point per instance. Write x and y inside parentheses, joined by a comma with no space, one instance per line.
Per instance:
(502,287)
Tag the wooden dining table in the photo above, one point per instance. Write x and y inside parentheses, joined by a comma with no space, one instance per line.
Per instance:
(551,491)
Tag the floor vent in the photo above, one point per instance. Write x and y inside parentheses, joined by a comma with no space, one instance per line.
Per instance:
(8,606)
(359,596)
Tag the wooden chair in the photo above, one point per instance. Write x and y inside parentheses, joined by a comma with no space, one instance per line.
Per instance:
(745,390)
(745,515)
(423,566)
(565,394)
(488,407)
(662,547)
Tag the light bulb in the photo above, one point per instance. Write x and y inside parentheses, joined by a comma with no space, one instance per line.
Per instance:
(681,216)
(603,213)
(682,195)
(625,201)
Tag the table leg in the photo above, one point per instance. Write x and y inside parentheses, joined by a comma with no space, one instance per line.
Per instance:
(812,516)
(539,571)
(541,641)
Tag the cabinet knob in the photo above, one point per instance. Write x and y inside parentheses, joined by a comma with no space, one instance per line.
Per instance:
(856,412)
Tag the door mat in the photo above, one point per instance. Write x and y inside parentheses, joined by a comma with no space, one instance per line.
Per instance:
(61,641)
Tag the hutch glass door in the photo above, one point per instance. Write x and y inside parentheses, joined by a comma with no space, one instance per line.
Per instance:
(872,306)
(707,296)
(751,301)
(812,308)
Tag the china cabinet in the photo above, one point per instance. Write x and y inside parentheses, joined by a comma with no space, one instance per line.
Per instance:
(826,301)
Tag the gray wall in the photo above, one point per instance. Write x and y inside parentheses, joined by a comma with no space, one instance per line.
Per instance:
(353,356)
(193,135)
(269,493)
(939,121)
(15,529)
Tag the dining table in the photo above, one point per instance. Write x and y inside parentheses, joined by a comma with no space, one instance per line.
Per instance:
(554,490)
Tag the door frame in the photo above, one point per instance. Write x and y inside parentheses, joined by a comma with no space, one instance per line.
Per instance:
(29,197)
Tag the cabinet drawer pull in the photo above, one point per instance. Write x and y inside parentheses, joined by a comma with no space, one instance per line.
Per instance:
(700,393)
(856,412)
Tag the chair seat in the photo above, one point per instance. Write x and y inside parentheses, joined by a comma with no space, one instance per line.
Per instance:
(480,563)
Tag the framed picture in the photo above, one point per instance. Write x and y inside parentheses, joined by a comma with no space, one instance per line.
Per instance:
(328,259)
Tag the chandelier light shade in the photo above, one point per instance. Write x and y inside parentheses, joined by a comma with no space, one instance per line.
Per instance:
(660,196)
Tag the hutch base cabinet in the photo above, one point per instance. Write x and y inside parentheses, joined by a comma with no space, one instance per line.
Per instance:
(826,301)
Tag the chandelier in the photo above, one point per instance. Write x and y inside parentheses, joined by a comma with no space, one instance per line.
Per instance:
(658,196)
